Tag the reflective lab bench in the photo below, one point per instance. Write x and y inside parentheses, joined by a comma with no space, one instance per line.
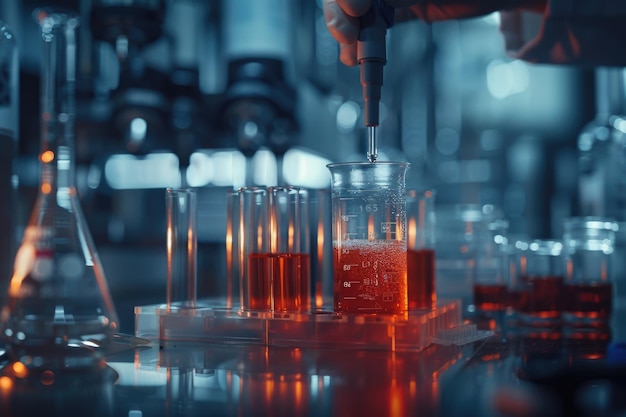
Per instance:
(515,372)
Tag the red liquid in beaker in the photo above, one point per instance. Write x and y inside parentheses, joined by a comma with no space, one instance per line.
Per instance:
(589,300)
(544,296)
(421,279)
(283,276)
(490,297)
(370,277)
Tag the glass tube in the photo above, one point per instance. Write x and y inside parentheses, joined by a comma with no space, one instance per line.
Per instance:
(420,213)
(233,262)
(182,244)
(254,241)
(289,260)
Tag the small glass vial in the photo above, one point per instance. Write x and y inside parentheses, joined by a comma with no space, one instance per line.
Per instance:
(589,243)
(543,276)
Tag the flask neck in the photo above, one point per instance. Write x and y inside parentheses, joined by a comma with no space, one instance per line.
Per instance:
(58,112)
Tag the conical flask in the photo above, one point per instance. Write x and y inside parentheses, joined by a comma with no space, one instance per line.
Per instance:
(59,312)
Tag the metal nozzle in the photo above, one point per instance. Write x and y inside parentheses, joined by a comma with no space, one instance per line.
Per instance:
(372,143)
(372,56)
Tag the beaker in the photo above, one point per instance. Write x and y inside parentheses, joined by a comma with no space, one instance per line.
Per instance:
(369,237)
(58,312)
(543,279)
(589,244)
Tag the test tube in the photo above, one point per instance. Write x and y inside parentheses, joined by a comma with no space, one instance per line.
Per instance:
(289,258)
(420,213)
(233,261)
(254,246)
(181,248)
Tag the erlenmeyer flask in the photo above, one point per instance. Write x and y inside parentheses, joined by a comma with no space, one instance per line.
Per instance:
(58,309)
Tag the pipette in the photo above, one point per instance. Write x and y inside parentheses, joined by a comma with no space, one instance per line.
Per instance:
(372,57)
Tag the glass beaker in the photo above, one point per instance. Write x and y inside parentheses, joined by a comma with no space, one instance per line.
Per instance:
(543,279)
(369,237)
(589,243)
(59,312)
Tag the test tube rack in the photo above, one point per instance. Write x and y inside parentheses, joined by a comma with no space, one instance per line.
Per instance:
(212,322)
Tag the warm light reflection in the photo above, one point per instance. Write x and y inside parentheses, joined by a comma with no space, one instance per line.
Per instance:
(19,369)
(46,188)
(24,263)
(47,156)
(412,232)
(47,378)
(259,238)
(298,393)
(269,390)
(371,231)
(6,384)
(291,237)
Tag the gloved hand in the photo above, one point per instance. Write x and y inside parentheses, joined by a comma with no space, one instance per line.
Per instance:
(342,15)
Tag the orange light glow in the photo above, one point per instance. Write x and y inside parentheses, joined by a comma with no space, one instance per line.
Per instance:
(259,237)
(19,369)
(46,156)
(6,383)
(412,232)
(46,188)
(371,231)
(298,394)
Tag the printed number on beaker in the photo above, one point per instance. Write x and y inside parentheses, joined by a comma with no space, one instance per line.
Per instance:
(368,208)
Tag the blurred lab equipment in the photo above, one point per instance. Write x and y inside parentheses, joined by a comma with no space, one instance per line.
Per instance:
(59,311)
(369,236)
(182,248)
(589,244)
(258,102)
(490,287)
(468,241)
(9,125)
(421,230)
(543,281)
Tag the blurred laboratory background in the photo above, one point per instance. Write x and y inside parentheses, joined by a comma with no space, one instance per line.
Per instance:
(224,93)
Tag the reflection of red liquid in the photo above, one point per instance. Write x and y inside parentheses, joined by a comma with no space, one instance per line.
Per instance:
(592,300)
(490,297)
(285,276)
(544,296)
(421,278)
(517,299)
(370,277)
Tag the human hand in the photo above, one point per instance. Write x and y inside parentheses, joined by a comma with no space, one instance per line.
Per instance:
(342,16)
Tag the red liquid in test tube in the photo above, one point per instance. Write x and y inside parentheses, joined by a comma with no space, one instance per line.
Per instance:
(421,279)
(281,276)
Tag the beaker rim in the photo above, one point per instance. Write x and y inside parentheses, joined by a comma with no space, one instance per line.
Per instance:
(368,164)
